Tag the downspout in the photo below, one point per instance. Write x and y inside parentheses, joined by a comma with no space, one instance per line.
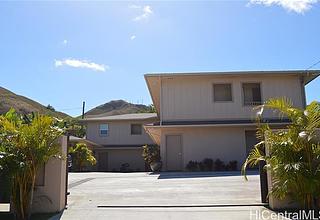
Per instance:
(303,92)
(160,78)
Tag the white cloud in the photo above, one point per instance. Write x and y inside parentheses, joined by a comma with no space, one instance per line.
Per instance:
(64,42)
(146,12)
(133,37)
(134,6)
(298,6)
(81,64)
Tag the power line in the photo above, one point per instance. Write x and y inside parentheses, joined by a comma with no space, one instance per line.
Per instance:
(313,65)
(66,109)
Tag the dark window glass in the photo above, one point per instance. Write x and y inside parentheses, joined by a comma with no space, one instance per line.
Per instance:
(136,129)
(222,92)
(251,94)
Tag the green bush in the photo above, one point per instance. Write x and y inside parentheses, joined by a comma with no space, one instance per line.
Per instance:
(81,156)
(151,153)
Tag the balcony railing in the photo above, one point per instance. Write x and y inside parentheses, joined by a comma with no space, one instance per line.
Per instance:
(252,103)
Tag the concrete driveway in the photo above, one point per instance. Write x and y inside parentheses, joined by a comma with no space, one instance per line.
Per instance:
(161,196)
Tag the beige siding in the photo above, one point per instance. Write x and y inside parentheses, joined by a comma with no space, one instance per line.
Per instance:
(119,133)
(225,143)
(191,97)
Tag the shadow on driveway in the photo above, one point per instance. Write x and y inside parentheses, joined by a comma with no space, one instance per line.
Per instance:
(174,175)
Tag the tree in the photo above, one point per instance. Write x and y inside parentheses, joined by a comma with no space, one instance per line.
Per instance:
(82,156)
(51,108)
(25,145)
(294,153)
(149,109)
(73,127)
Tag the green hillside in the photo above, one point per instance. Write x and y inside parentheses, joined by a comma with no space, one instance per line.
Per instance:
(24,105)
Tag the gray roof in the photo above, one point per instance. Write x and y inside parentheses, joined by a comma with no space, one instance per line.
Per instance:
(311,74)
(136,116)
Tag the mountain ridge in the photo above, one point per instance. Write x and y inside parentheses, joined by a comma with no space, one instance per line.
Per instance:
(24,105)
(116,107)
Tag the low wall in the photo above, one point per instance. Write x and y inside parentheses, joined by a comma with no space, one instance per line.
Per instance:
(49,196)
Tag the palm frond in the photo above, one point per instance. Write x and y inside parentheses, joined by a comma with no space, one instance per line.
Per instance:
(255,156)
(284,107)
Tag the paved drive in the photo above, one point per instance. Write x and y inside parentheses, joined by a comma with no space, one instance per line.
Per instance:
(149,196)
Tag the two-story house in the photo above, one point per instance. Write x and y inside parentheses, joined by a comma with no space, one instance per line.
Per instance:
(119,140)
(210,114)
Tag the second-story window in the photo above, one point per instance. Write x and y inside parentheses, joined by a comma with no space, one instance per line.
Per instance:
(222,92)
(104,130)
(251,94)
(136,129)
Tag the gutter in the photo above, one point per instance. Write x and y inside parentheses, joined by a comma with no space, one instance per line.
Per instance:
(211,125)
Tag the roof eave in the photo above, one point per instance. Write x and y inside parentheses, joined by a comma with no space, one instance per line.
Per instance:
(249,72)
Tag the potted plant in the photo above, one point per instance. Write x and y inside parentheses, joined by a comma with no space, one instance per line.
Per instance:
(151,155)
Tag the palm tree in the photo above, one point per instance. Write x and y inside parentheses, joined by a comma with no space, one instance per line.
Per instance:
(25,146)
(294,152)
(82,156)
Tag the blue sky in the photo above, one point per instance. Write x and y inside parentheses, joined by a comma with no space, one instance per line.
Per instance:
(63,53)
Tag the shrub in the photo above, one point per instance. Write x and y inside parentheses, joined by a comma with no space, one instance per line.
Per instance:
(151,153)
(208,164)
(192,166)
(233,165)
(82,156)
(219,165)
(201,166)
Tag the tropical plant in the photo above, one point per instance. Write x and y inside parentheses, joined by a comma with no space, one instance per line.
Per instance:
(293,157)
(26,143)
(151,153)
(82,156)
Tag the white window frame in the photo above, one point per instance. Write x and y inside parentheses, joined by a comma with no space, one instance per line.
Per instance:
(107,129)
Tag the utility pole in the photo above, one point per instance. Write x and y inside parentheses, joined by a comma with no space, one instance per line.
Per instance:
(83,107)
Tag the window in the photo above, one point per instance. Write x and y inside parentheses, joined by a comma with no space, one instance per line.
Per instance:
(104,130)
(136,129)
(222,92)
(251,94)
